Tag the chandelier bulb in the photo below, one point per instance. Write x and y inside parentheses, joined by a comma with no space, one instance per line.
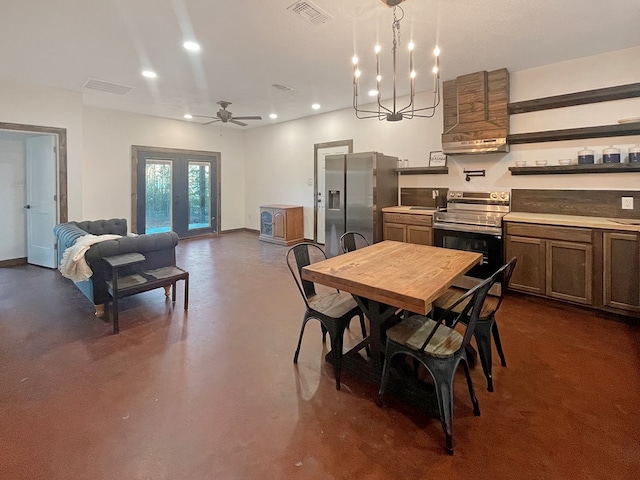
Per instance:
(377,49)
(355,60)
(411,46)
(413,74)
(436,51)
(357,73)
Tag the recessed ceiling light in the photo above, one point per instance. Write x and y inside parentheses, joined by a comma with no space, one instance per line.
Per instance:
(188,116)
(316,106)
(191,46)
(149,74)
(273,116)
(373,93)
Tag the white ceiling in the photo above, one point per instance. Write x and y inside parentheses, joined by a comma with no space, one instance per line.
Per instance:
(249,45)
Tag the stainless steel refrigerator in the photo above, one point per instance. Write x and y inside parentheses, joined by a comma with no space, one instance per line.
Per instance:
(358,186)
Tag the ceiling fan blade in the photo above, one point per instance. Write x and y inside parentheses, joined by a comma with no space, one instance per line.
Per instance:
(233,120)
(254,117)
(203,116)
(212,121)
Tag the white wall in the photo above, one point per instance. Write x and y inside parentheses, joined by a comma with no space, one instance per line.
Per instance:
(108,137)
(13,242)
(49,107)
(279,158)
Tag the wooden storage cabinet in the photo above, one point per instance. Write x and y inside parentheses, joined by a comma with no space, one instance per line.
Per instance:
(553,261)
(281,224)
(408,227)
(569,271)
(621,270)
(529,275)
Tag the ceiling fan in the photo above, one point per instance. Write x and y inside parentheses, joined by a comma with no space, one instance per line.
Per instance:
(223,115)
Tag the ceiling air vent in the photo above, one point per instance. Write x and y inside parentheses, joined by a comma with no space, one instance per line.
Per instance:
(282,88)
(104,86)
(309,12)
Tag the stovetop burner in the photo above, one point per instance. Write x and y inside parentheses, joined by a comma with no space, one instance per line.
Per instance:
(476,211)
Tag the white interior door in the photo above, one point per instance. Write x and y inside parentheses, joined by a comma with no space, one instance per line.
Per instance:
(41,202)
(320,194)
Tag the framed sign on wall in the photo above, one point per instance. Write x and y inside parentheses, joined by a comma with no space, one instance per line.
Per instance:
(437,159)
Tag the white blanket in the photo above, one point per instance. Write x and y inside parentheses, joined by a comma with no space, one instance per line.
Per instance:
(73,264)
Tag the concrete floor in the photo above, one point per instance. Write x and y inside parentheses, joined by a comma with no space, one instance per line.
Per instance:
(213,393)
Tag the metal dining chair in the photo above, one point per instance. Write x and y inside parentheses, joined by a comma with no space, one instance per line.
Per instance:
(440,349)
(332,308)
(350,241)
(487,325)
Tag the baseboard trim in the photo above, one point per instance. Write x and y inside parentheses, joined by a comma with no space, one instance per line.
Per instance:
(14,262)
(233,230)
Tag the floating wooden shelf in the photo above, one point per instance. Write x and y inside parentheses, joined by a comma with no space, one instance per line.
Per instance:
(423,170)
(580,98)
(568,169)
(618,130)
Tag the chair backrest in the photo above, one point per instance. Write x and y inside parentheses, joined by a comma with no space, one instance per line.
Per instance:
(298,257)
(474,301)
(350,241)
(504,277)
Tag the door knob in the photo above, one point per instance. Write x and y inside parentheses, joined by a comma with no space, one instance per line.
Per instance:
(27,206)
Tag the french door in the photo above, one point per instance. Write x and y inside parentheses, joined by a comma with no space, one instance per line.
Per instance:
(176,190)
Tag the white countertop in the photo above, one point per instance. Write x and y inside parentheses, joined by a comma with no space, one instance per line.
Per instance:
(574,221)
(407,209)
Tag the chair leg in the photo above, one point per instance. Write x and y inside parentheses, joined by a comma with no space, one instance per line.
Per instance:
(483,339)
(496,339)
(386,371)
(337,341)
(304,324)
(443,380)
(472,393)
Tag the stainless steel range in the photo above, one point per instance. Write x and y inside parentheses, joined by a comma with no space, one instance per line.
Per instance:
(472,221)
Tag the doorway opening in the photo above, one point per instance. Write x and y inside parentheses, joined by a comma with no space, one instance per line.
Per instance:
(176,190)
(33,160)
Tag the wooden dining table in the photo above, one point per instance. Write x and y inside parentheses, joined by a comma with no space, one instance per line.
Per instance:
(385,279)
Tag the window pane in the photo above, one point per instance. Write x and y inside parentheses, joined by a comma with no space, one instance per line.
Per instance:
(158,196)
(199,195)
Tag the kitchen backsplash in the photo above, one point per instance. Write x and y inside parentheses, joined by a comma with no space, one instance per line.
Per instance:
(421,197)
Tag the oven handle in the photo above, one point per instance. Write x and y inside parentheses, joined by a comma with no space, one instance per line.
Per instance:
(458,227)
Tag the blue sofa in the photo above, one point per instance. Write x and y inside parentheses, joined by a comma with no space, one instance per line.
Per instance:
(158,249)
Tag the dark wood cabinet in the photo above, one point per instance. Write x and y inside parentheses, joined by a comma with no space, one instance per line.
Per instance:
(556,262)
(529,275)
(621,270)
(408,227)
(569,271)
(281,224)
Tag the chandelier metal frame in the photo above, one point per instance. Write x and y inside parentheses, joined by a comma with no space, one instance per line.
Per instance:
(409,111)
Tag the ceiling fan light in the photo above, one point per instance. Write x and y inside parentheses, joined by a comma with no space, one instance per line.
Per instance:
(316,106)
(149,74)
(273,116)
(188,116)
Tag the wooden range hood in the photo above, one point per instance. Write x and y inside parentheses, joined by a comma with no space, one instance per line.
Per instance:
(476,116)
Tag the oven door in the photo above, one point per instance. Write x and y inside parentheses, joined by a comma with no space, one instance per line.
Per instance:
(489,245)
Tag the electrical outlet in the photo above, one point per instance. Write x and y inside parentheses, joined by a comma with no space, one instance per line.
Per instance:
(627,203)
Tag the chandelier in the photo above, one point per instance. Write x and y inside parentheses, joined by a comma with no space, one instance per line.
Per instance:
(409,111)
